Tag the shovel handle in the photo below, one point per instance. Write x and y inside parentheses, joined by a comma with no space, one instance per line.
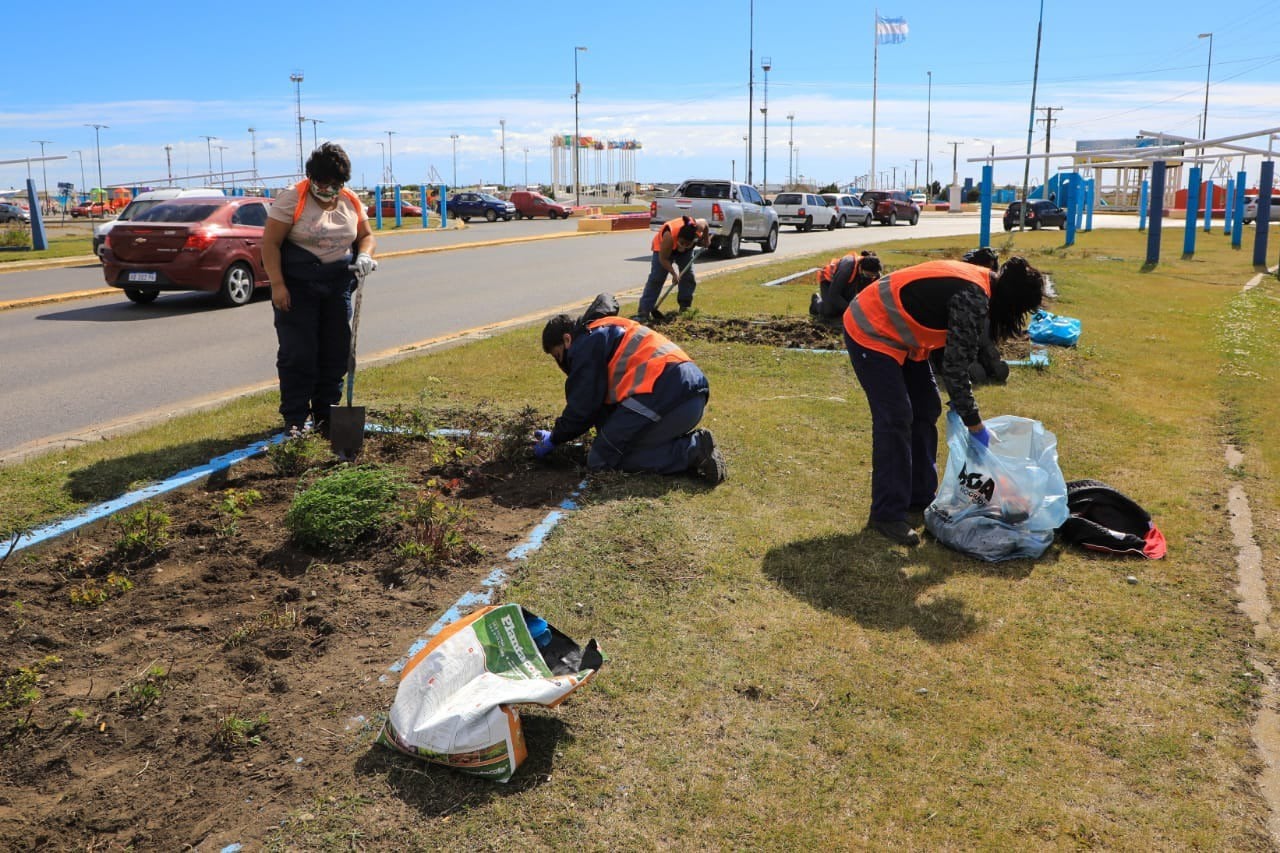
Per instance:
(355,326)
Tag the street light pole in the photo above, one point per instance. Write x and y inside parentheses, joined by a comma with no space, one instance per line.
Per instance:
(791,149)
(296,77)
(577,92)
(751,82)
(526,167)
(391,159)
(1031,124)
(928,143)
(1204,128)
(43,171)
(80,154)
(168,162)
(222,166)
(502,123)
(97,144)
(253,142)
(315,139)
(383,175)
(208,141)
(454,137)
(766,63)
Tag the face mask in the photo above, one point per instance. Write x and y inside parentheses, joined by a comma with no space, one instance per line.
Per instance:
(325,194)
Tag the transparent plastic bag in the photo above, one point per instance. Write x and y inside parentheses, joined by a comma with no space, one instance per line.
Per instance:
(1001,502)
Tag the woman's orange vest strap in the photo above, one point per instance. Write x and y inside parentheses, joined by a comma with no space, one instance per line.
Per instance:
(877,320)
(829,271)
(303,187)
(672,225)
(641,357)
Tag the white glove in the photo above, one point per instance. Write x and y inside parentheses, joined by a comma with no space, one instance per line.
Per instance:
(364,264)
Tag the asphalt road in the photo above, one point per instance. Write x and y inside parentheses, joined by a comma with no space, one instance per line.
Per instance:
(80,369)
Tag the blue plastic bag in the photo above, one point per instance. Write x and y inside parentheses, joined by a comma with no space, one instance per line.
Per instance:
(1004,501)
(1047,328)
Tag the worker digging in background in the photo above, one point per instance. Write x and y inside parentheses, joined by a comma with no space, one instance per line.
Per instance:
(673,247)
(841,280)
(891,327)
(641,392)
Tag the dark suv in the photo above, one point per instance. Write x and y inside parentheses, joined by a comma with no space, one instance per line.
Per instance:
(889,206)
(1040,214)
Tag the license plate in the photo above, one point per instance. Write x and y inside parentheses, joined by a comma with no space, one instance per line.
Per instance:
(142,276)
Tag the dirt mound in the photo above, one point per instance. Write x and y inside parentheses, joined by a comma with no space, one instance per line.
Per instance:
(787,332)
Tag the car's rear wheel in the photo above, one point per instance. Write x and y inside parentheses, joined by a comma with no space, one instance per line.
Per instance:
(519,215)
(237,285)
(770,243)
(892,220)
(490,216)
(866,221)
(1035,226)
(840,223)
(140,295)
(915,218)
(807,226)
(831,224)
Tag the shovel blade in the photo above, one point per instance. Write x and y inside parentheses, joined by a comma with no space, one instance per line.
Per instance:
(346,429)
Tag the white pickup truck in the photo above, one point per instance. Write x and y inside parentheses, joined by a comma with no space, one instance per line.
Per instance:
(735,213)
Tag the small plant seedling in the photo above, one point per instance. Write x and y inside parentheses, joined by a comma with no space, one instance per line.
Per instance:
(141,533)
(294,456)
(91,594)
(279,619)
(237,732)
(19,691)
(435,533)
(146,690)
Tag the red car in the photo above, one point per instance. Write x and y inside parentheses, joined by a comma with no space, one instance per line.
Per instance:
(389,209)
(210,243)
(90,208)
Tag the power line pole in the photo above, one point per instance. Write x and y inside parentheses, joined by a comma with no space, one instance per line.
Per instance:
(1048,133)
(915,173)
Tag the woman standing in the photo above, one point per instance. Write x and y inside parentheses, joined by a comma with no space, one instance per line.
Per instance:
(316,241)
(891,327)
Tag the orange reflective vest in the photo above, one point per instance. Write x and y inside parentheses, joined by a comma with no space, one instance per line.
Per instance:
(639,360)
(304,186)
(877,320)
(672,225)
(828,272)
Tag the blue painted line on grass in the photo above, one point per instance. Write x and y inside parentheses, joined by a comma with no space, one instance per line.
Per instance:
(470,600)
(109,508)
(787,278)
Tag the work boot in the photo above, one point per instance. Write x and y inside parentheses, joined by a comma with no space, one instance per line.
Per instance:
(898,532)
(709,463)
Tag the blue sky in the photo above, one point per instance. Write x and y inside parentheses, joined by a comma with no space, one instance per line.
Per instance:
(673,77)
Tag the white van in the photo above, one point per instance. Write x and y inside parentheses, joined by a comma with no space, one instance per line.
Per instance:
(145,201)
(1251,208)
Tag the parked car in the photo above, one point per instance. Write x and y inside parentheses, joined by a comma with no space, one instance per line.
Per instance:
(465,206)
(533,205)
(890,206)
(1040,214)
(920,199)
(143,202)
(389,209)
(13,213)
(91,209)
(735,212)
(804,211)
(1251,208)
(211,244)
(848,209)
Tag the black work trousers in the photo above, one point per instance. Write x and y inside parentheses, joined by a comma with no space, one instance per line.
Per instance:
(315,343)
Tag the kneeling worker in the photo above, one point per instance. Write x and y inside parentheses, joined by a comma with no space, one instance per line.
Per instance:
(673,245)
(640,391)
(841,280)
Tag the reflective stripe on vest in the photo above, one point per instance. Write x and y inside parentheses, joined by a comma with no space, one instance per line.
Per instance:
(672,225)
(641,357)
(877,321)
(304,186)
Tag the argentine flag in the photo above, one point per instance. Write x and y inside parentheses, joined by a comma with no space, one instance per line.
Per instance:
(891,30)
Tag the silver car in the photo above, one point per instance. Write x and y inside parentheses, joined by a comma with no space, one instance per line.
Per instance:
(849,210)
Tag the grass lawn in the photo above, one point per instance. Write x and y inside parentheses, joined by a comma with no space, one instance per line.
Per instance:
(779,678)
(68,246)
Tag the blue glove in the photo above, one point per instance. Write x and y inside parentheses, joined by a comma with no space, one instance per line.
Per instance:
(542,446)
(981,436)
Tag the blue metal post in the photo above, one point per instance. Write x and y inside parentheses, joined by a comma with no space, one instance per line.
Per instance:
(444,206)
(399,217)
(1142,207)
(1229,208)
(1156,211)
(423,194)
(1192,211)
(377,206)
(1237,213)
(984,228)
(1262,224)
(39,241)
(1208,205)
(1068,193)
(1092,195)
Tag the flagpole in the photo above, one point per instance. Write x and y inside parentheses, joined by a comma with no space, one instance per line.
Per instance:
(875,80)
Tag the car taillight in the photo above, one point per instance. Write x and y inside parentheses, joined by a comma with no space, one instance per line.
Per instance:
(716,212)
(801,212)
(199,240)
(1031,214)
(653,209)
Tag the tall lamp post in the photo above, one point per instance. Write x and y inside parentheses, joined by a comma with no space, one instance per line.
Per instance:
(168,162)
(43,171)
(526,167)
(765,64)
(208,141)
(80,154)
(502,123)
(751,81)
(383,175)
(222,166)
(253,144)
(391,161)
(1031,124)
(1204,127)
(928,133)
(577,91)
(454,137)
(315,136)
(97,144)
(296,77)
(791,150)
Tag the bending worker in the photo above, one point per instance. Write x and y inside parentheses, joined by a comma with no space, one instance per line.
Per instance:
(841,280)
(640,391)
(316,233)
(890,330)
(673,246)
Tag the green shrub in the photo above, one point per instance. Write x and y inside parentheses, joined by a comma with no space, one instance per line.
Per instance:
(293,456)
(340,508)
(142,533)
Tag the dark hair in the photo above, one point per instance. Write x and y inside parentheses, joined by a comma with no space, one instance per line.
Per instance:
(688,231)
(1018,290)
(329,164)
(983,257)
(869,262)
(557,327)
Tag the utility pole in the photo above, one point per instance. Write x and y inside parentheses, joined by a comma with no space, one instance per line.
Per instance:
(168,161)
(391,161)
(791,146)
(577,93)
(97,145)
(296,78)
(502,122)
(751,84)
(253,142)
(928,133)
(222,166)
(208,141)
(1048,133)
(765,64)
(915,172)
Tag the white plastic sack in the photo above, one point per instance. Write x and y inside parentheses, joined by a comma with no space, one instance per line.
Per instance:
(454,702)
(1001,502)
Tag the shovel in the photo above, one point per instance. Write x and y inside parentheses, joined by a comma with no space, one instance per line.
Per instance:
(675,280)
(346,423)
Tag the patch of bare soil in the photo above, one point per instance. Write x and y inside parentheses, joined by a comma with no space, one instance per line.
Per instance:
(787,332)
(229,677)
